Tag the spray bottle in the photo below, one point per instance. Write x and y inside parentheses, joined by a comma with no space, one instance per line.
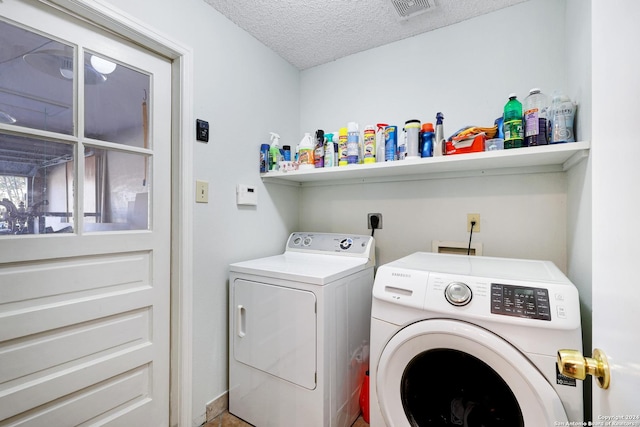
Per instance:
(438,144)
(274,152)
(380,142)
(329,151)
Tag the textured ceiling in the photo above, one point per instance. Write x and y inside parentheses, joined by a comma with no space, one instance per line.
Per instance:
(312,32)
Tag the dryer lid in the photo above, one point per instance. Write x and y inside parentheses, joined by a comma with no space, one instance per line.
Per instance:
(482,266)
(315,269)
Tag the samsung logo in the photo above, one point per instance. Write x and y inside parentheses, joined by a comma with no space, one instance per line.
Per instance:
(400,275)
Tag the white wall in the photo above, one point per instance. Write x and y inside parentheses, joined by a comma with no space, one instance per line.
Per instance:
(466,71)
(244,90)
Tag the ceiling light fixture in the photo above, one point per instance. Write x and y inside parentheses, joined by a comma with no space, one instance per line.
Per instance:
(101,65)
(59,63)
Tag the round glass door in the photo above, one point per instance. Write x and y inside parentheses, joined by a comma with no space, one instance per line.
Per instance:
(443,372)
(468,392)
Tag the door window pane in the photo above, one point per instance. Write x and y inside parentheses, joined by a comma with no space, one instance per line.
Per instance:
(36,81)
(36,186)
(116,190)
(116,110)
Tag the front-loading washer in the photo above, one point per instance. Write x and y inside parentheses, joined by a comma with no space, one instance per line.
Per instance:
(472,341)
(299,328)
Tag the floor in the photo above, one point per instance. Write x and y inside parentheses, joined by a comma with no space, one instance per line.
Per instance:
(228,420)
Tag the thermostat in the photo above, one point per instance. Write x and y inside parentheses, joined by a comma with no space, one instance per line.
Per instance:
(246,195)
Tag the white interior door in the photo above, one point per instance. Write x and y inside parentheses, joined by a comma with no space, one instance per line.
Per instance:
(616,197)
(85,226)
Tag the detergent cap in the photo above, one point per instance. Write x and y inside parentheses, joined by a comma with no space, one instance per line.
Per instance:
(439,118)
(427,127)
(275,139)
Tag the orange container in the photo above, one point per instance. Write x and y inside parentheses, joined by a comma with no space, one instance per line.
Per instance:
(364,398)
(473,144)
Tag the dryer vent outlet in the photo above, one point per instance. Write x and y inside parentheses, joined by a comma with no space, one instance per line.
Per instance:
(409,8)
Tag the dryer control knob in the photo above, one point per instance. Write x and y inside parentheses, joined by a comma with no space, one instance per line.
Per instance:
(458,293)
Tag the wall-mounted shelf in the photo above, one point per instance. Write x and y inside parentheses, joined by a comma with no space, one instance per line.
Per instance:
(546,158)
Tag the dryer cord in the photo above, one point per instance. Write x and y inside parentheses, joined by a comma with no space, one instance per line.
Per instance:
(473,223)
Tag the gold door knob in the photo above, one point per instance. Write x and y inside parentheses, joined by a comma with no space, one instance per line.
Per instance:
(572,364)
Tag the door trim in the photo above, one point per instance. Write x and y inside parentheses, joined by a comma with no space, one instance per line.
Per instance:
(123,25)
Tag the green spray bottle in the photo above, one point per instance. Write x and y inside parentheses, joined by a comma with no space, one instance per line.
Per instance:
(274,152)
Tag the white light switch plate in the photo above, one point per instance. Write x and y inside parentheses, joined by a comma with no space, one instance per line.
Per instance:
(246,195)
(202,192)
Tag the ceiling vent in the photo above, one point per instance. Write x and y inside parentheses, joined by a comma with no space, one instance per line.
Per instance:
(409,8)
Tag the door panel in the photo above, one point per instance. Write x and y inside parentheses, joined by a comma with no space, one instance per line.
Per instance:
(615,177)
(275,331)
(84,312)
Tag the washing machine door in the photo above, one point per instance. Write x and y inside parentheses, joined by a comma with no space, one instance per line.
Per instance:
(446,372)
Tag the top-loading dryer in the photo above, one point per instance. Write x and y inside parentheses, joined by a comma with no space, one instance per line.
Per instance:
(472,341)
(299,332)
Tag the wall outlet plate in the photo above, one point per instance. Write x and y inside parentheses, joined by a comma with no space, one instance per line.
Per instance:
(476,218)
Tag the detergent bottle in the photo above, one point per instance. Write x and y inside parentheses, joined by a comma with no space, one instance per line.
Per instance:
(513,126)
(318,154)
(274,152)
(305,152)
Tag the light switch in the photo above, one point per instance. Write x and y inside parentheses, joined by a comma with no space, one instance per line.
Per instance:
(202,192)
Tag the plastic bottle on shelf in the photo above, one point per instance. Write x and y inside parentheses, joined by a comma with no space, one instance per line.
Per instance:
(318,154)
(380,155)
(402,145)
(305,152)
(369,144)
(535,118)
(513,129)
(264,158)
(274,152)
(438,143)
(342,147)
(426,140)
(412,132)
(391,143)
(353,143)
(329,152)
(562,116)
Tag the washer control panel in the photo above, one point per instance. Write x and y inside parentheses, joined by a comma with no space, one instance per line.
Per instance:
(329,243)
(520,301)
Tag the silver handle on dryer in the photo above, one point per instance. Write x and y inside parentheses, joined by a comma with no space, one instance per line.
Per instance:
(241,321)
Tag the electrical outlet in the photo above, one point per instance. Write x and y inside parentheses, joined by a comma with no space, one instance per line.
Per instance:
(377,215)
(473,217)
(202,192)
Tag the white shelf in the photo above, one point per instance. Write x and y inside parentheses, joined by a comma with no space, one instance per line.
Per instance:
(545,158)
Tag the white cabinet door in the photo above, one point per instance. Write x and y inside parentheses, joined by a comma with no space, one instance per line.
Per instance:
(84,275)
(616,198)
